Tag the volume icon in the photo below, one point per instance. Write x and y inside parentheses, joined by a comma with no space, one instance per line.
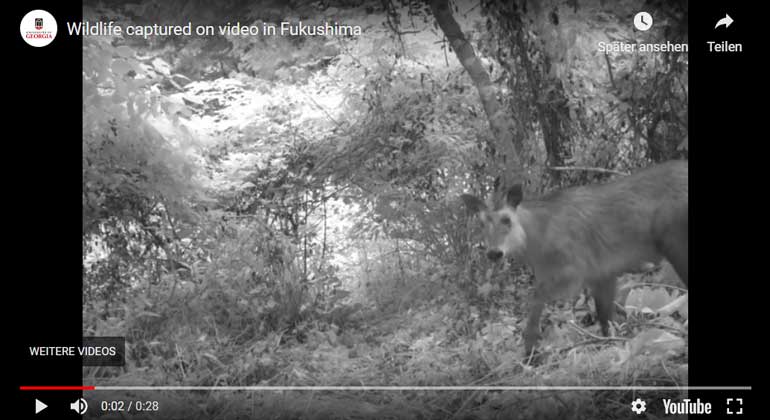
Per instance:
(80,406)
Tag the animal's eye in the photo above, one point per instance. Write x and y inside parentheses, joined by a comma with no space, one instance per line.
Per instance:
(505,220)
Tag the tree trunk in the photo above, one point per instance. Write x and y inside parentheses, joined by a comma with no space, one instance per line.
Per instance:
(508,140)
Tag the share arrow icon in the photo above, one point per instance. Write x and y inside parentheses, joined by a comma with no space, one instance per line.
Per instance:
(727,21)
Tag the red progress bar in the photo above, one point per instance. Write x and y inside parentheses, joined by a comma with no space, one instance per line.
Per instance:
(58,388)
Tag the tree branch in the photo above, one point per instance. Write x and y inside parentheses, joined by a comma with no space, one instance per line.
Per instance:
(507,142)
(586,168)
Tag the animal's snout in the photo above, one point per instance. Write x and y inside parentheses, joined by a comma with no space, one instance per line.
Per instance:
(494,254)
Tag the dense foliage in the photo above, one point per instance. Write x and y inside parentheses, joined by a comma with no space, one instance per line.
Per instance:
(276,210)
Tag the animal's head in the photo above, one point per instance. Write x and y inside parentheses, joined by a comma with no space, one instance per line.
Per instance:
(503,232)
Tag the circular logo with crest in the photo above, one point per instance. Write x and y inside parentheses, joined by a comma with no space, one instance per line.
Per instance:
(38,28)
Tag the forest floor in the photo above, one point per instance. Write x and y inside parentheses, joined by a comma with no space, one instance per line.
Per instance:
(447,345)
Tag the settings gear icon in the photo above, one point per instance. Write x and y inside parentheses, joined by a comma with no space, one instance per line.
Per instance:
(638,406)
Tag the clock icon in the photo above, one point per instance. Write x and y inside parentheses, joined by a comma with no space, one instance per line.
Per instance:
(643,21)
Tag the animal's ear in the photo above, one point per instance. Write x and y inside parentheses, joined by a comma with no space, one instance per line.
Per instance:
(514,195)
(473,203)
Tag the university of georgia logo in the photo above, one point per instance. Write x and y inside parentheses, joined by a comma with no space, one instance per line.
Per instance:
(38,28)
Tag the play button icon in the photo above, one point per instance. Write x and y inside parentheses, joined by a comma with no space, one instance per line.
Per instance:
(39,406)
